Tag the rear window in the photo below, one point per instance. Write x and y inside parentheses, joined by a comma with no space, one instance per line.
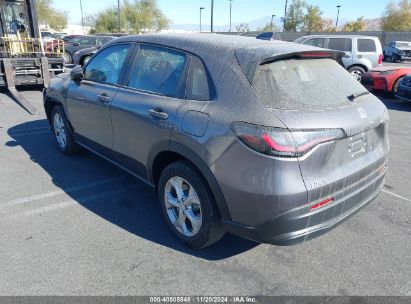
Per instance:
(304,84)
(366,45)
(266,36)
(340,44)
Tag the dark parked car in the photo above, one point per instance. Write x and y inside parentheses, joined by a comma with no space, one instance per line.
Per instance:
(82,42)
(83,56)
(272,141)
(404,89)
(270,36)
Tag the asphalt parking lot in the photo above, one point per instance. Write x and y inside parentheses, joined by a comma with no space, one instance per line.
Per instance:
(79,226)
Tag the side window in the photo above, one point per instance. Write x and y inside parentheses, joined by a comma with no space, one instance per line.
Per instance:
(340,44)
(158,70)
(87,40)
(75,40)
(366,45)
(107,65)
(318,42)
(198,84)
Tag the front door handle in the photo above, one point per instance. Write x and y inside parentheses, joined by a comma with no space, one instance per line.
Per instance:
(103,98)
(158,113)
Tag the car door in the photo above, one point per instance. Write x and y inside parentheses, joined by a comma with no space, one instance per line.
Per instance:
(145,108)
(89,101)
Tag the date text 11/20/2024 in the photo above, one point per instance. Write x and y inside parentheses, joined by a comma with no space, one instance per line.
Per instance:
(198,299)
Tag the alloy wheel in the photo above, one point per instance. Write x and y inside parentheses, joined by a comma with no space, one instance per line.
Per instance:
(183,206)
(66,58)
(60,131)
(357,75)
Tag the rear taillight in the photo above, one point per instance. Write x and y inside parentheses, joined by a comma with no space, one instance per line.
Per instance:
(380,59)
(280,142)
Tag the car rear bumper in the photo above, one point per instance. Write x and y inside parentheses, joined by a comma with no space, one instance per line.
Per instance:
(374,83)
(301,224)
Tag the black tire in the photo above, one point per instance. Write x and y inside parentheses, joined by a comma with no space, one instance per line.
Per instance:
(70,146)
(394,58)
(396,85)
(384,57)
(211,229)
(357,72)
(85,60)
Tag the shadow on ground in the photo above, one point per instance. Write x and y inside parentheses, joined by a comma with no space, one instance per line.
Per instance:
(136,212)
(393,103)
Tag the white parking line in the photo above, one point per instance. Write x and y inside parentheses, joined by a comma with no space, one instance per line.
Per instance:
(36,197)
(396,195)
(65,204)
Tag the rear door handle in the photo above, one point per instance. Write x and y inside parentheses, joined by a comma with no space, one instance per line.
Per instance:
(158,113)
(103,98)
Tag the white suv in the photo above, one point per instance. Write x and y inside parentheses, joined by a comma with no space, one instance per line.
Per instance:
(363,53)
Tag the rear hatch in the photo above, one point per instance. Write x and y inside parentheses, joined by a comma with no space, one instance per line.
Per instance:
(317,95)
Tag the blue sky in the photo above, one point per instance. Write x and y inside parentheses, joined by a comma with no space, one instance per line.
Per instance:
(187,11)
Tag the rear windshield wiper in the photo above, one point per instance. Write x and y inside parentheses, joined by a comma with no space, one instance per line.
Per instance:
(356,95)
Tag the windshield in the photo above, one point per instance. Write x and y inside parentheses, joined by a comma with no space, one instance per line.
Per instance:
(305,84)
(299,40)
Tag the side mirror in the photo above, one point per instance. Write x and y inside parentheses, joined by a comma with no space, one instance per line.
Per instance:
(76,44)
(76,73)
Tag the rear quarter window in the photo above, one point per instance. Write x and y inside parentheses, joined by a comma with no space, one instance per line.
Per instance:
(297,84)
(198,84)
(366,45)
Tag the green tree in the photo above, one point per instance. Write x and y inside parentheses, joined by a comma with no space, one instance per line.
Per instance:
(48,15)
(135,17)
(243,27)
(397,17)
(295,16)
(313,21)
(354,26)
(268,28)
(329,25)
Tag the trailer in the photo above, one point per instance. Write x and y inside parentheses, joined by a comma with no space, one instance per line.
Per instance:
(24,59)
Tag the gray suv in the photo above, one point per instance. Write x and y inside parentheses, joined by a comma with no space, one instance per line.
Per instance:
(272,141)
(362,53)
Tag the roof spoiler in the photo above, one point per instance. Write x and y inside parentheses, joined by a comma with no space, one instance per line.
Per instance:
(336,55)
(250,58)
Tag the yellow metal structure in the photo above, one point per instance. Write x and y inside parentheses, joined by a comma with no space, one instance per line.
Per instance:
(22,47)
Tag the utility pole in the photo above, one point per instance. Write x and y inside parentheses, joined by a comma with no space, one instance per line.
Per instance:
(201,11)
(272,17)
(285,14)
(212,16)
(338,16)
(118,16)
(82,16)
(231,6)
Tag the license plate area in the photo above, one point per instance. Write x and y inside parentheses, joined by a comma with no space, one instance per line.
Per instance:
(358,145)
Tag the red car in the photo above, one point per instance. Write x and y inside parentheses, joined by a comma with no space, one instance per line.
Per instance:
(385,79)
